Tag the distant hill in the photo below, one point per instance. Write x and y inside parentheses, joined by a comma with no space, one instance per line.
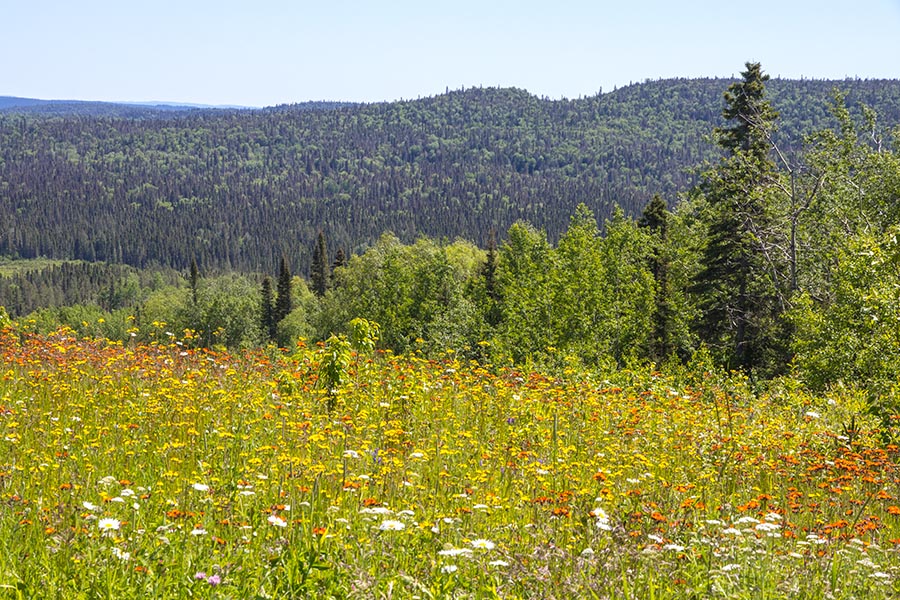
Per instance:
(13,104)
(237,188)
(33,106)
(132,110)
(7,102)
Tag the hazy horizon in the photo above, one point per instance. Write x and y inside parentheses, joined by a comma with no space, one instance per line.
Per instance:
(177,103)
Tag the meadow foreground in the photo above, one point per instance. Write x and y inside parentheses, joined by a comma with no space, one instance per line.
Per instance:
(163,472)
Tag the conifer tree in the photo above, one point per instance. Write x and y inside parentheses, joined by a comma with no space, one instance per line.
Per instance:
(340,259)
(318,271)
(284,303)
(655,219)
(740,280)
(489,273)
(268,323)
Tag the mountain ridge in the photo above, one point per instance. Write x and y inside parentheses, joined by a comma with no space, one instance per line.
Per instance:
(59,107)
(17,102)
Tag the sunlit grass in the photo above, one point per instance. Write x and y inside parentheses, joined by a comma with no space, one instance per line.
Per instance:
(157,471)
(9,267)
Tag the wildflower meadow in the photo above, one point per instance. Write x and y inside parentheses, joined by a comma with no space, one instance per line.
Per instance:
(159,471)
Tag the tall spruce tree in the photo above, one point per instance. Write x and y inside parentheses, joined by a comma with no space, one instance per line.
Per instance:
(283,304)
(740,282)
(319,272)
(655,220)
(267,310)
(268,323)
(489,273)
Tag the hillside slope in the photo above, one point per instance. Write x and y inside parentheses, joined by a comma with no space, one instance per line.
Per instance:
(236,189)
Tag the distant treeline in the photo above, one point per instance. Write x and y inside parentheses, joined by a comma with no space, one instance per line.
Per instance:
(109,286)
(239,189)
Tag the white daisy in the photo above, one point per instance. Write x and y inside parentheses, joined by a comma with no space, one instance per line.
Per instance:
(108,524)
(481,544)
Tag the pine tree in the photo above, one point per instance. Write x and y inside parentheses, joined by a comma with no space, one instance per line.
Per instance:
(489,273)
(283,304)
(655,219)
(318,271)
(740,280)
(340,259)
(751,119)
(268,323)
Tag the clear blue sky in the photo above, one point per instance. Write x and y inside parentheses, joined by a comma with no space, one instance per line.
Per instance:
(265,52)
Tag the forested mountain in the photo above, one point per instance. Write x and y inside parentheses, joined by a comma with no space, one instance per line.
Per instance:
(129,110)
(72,108)
(9,102)
(237,189)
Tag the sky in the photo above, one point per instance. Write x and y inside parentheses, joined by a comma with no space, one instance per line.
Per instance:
(268,52)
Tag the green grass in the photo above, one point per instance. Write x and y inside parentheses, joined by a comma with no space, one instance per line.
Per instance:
(9,267)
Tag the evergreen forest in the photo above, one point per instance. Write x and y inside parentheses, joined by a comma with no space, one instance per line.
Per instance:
(236,190)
